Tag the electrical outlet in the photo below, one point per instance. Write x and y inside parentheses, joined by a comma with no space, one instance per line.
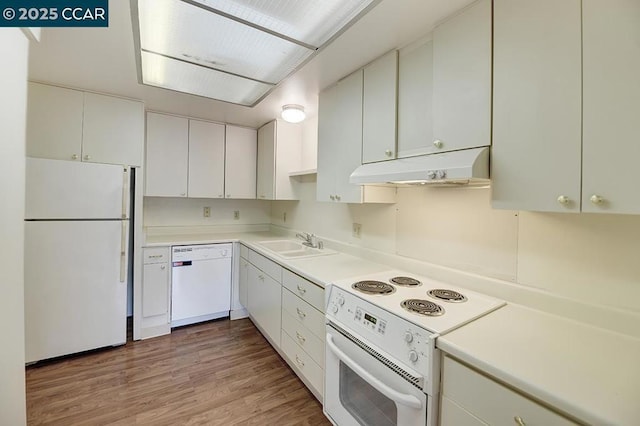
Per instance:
(356,230)
(236,214)
(284,217)
(206,212)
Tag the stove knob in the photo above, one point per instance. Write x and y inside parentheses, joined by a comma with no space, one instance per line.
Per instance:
(413,356)
(340,300)
(408,337)
(334,309)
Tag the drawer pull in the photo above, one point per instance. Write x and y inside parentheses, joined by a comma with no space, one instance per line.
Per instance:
(301,290)
(301,338)
(519,421)
(300,313)
(261,277)
(301,363)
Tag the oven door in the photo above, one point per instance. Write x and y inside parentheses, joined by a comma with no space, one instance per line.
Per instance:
(361,390)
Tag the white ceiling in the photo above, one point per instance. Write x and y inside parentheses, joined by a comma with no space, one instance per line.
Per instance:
(103,60)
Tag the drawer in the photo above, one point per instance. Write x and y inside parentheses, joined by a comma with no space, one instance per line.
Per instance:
(303,337)
(312,318)
(303,362)
(452,414)
(491,402)
(304,289)
(244,251)
(155,255)
(265,265)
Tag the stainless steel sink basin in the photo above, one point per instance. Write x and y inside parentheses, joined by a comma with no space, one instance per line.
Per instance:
(293,249)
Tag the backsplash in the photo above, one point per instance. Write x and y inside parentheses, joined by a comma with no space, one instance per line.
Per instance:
(583,257)
(162,211)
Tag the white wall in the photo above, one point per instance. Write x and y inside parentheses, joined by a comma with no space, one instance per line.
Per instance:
(162,211)
(13,86)
(589,258)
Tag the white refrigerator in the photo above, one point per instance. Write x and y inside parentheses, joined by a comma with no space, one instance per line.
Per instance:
(76,257)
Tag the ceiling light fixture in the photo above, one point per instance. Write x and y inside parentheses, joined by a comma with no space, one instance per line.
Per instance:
(293,113)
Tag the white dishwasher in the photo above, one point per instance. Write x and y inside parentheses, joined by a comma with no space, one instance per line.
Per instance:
(200,283)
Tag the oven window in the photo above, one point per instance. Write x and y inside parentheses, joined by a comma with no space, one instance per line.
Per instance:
(368,406)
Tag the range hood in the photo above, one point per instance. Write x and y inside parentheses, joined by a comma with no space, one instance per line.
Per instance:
(464,167)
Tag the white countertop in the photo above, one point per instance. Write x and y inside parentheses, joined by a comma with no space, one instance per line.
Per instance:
(322,270)
(590,373)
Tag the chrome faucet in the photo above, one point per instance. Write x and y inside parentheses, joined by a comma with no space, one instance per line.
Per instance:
(309,240)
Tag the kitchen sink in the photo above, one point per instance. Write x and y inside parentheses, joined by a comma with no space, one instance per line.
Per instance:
(291,249)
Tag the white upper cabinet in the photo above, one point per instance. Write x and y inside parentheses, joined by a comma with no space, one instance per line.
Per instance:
(536,105)
(340,145)
(66,124)
(240,161)
(566,107)
(167,161)
(611,106)
(462,80)
(206,160)
(113,130)
(380,96)
(279,152)
(415,99)
(54,122)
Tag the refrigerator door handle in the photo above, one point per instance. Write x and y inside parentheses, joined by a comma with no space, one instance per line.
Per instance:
(123,251)
(125,193)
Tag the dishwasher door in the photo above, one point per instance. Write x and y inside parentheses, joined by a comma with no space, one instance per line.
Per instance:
(200,283)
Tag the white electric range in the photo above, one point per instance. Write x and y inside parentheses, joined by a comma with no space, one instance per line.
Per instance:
(381,365)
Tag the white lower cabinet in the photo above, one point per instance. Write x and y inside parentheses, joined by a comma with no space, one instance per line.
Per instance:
(289,310)
(156,292)
(471,398)
(264,297)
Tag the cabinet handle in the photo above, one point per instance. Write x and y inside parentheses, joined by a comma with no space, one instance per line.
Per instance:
(332,197)
(301,338)
(183,194)
(438,143)
(261,277)
(337,198)
(299,361)
(74,157)
(301,290)
(300,313)
(87,157)
(163,267)
(519,421)
(388,153)
(563,199)
(219,195)
(228,195)
(597,199)
(262,196)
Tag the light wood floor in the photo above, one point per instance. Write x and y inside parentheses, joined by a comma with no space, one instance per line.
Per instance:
(216,373)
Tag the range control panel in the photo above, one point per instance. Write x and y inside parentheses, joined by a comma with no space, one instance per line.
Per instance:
(402,340)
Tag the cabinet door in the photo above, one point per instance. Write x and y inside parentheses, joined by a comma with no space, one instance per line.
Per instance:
(266,161)
(265,303)
(54,122)
(240,163)
(380,96)
(415,100)
(155,289)
(462,79)
(288,154)
(348,149)
(611,94)
(243,282)
(536,105)
(327,143)
(167,156)
(206,159)
(113,130)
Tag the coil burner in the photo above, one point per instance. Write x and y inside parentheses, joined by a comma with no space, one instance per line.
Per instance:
(423,307)
(405,281)
(447,295)
(373,287)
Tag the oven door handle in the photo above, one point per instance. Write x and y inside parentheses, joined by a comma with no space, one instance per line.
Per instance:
(400,398)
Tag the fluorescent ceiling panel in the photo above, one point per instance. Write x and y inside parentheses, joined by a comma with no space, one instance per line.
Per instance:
(170,74)
(312,22)
(234,50)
